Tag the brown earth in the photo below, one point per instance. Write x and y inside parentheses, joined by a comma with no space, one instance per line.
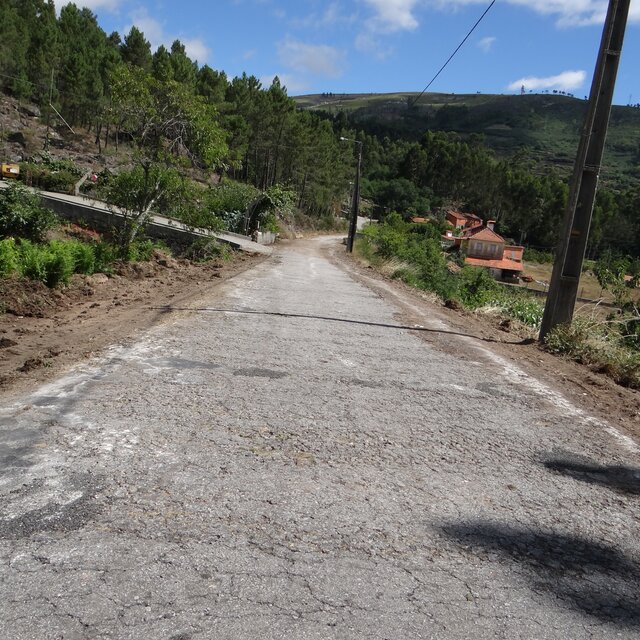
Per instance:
(43,331)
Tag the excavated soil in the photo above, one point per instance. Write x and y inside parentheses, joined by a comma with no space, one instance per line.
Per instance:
(43,331)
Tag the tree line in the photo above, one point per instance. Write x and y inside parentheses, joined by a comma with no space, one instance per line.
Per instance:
(268,141)
(114,86)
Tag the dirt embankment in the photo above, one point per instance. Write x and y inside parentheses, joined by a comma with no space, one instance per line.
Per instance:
(43,331)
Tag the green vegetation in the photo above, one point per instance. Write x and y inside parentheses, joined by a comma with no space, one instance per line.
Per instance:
(44,172)
(544,127)
(24,224)
(22,215)
(602,346)
(503,157)
(417,256)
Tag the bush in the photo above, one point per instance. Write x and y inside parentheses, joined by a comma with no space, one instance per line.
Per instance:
(539,257)
(59,263)
(105,255)
(50,174)
(140,251)
(476,287)
(205,249)
(32,261)
(522,307)
(598,345)
(84,257)
(9,258)
(22,215)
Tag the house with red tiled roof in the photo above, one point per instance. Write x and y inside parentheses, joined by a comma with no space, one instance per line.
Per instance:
(464,221)
(483,247)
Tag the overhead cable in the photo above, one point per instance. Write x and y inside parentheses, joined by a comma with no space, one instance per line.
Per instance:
(442,68)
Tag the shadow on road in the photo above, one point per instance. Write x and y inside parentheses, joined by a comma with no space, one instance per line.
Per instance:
(170,309)
(591,577)
(620,478)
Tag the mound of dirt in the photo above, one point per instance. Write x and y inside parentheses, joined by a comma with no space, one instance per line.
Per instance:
(45,330)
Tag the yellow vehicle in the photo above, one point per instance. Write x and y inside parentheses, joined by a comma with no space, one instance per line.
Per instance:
(10,171)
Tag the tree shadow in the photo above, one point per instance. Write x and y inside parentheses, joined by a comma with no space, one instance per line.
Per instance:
(587,576)
(169,309)
(619,478)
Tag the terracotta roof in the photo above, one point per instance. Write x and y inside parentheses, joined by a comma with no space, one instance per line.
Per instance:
(464,216)
(510,265)
(484,234)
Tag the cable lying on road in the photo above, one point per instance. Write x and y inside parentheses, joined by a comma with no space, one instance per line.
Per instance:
(417,327)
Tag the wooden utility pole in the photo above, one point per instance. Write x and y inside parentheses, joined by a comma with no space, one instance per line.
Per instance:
(355,202)
(567,267)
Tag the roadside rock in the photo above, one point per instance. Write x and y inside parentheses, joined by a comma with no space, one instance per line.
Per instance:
(18,138)
(97,279)
(31,110)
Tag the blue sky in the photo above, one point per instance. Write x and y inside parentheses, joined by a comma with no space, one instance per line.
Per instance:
(365,46)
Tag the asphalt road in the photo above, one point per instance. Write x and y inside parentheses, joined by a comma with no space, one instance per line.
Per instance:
(287,461)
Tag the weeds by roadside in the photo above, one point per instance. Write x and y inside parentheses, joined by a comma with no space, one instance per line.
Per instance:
(413,255)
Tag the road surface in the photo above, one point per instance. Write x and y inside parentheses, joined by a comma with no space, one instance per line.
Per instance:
(291,459)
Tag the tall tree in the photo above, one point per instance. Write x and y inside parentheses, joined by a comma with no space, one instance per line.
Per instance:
(136,49)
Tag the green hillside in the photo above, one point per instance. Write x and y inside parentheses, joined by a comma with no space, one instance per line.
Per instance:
(545,126)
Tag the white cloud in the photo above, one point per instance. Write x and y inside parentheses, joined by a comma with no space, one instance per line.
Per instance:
(486,44)
(316,59)
(109,5)
(391,16)
(293,85)
(565,81)
(368,42)
(196,49)
(332,16)
(155,33)
(567,13)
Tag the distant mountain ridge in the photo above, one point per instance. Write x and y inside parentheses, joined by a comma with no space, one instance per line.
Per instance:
(546,127)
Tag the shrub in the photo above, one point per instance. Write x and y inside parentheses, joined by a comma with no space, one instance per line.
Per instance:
(84,257)
(9,259)
(522,307)
(105,255)
(476,287)
(22,215)
(140,251)
(59,263)
(32,261)
(539,257)
(599,345)
(205,249)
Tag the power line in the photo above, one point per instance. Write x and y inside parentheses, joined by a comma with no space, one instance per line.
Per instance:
(33,84)
(442,68)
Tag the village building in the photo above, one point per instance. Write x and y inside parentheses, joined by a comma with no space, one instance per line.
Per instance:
(483,247)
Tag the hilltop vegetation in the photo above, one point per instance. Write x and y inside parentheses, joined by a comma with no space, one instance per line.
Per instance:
(543,127)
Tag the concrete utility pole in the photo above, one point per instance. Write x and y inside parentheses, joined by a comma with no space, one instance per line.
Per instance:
(584,182)
(355,202)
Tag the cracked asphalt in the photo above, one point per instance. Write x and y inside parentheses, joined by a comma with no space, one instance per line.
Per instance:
(288,459)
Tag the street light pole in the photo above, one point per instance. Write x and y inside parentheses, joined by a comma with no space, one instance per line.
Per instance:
(355,203)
